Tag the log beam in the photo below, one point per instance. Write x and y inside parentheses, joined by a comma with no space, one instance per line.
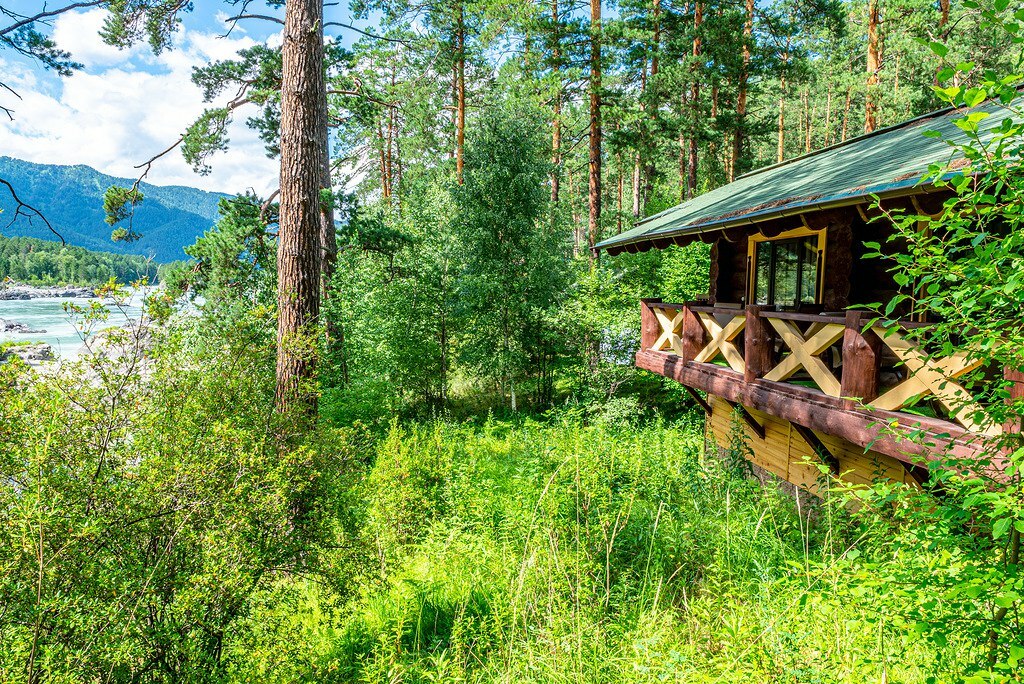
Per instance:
(886,432)
(862,360)
(818,447)
(759,345)
(650,330)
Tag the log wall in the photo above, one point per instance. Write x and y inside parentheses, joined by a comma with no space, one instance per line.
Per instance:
(786,454)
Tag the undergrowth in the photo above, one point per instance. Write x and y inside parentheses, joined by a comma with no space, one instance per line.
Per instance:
(556,552)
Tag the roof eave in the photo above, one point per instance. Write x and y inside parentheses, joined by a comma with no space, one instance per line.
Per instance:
(793,209)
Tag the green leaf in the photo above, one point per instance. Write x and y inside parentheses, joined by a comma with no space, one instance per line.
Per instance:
(1000,527)
(939,49)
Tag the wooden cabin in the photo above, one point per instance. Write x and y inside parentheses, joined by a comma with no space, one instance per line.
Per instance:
(780,339)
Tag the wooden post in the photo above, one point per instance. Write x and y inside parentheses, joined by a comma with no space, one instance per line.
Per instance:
(650,329)
(693,334)
(758,345)
(862,359)
(1016,380)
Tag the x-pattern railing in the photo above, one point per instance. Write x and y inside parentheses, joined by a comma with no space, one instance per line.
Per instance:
(717,330)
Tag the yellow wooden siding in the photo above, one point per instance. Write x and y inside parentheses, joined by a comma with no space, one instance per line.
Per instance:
(783,452)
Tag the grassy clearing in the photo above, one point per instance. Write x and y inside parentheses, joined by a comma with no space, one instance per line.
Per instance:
(563,553)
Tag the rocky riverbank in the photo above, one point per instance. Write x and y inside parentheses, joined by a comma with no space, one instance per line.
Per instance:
(9,326)
(13,290)
(34,354)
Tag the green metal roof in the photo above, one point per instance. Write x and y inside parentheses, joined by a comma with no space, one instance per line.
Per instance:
(887,162)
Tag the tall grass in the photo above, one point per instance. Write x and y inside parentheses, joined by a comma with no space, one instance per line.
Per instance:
(563,553)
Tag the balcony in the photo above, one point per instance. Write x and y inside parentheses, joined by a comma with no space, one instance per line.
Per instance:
(829,373)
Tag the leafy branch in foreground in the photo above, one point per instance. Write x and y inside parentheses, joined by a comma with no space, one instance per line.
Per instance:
(956,555)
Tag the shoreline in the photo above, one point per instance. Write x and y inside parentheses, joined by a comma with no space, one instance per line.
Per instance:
(14,291)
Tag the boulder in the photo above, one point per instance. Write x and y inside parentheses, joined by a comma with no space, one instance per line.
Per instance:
(9,326)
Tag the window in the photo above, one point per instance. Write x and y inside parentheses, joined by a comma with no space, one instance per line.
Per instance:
(786,272)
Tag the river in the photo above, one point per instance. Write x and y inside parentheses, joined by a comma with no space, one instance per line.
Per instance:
(47,313)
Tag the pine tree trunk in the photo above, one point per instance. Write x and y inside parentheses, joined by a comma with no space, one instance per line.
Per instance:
(874,64)
(594,164)
(650,168)
(460,65)
(691,157)
(329,245)
(741,94)
(303,120)
(846,113)
(780,152)
(618,212)
(556,117)
(636,185)
(828,116)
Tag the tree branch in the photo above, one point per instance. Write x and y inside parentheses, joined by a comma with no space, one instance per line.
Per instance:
(26,20)
(400,41)
(27,210)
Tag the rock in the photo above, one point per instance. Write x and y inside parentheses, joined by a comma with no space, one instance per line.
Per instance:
(32,354)
(14,290)
(9,326)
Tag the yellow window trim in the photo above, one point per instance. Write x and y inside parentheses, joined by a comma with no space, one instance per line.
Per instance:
(754,240)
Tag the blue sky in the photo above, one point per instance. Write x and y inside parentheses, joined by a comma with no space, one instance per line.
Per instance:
(126,106)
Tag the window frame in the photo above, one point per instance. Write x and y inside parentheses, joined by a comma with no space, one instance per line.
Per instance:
(757,239)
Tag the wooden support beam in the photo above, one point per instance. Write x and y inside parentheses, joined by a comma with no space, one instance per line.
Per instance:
(759,345)
(862,360)
(693,334)
(818,447)
(701,401)
(748,418)
(886,432)
(650,329)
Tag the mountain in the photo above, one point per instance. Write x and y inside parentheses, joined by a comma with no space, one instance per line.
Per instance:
(71,197)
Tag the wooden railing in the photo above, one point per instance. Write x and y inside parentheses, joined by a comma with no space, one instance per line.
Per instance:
(879,367)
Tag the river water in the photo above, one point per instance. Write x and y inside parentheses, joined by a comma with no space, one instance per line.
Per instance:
(47,313)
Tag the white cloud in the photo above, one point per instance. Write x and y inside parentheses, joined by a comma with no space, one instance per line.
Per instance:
(126,106)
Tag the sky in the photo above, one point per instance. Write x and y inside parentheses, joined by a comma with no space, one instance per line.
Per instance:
(125,106)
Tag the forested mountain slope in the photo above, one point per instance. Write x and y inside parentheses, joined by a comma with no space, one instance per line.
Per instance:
(71,198)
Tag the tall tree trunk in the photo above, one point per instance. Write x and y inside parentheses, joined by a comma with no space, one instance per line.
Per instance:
(650,168)
(303,120)
(780,152)
(846,114)
(556,117)
(874,64)
(618,212)
(691,157)
(594,164)
(944,18)
(577,220)
(808,120)
(682,164)
(460,105)
(385,191)
(741,94)
(828,116)
(329,247)
(636,185)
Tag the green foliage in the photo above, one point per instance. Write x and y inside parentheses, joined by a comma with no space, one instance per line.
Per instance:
(513,272)
(233,262)
(965,267)
(141,513)
(119,205)
(204,137)
(41,262)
